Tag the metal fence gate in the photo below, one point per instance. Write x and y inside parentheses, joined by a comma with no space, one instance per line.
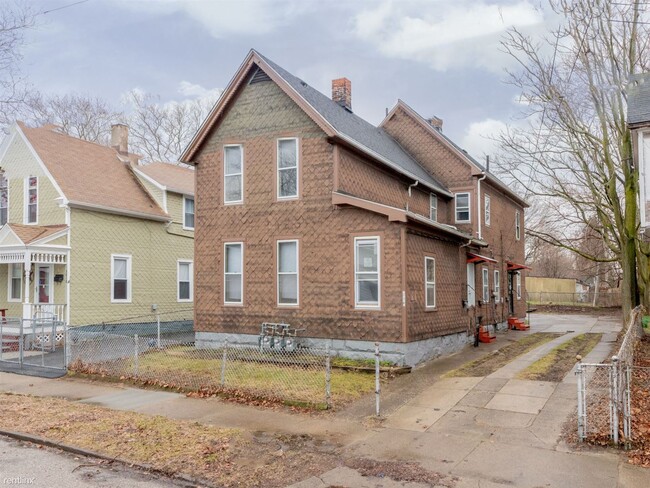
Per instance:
(33,345)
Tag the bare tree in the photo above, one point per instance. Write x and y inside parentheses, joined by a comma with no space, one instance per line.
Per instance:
(15,19)
(574,155)
(161,131)
(82,116)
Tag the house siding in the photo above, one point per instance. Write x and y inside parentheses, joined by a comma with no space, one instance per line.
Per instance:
(19,163)
(94,237)
(175,210)
(261,114)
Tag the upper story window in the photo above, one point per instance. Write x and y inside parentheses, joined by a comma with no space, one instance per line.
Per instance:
(4,198)
(287,168)
(234,273)
(31,207)
(462,208)
(288,272)
(367,283)
(121,278)
(233,174)
(185,281)
(430,282)
(517,225)
(188,213)
(433,207)
(488,209)
(486,285)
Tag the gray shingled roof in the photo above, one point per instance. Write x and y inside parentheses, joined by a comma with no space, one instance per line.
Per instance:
(354,127)
(638,99)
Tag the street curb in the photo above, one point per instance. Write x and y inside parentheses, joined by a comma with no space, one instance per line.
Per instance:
(191,481)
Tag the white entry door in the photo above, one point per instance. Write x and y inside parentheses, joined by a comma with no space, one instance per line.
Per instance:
(43,292)
(471,285)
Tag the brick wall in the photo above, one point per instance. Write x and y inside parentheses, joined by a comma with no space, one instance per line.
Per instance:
(261,114)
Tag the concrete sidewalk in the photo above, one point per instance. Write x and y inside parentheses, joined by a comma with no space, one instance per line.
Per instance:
(490,432)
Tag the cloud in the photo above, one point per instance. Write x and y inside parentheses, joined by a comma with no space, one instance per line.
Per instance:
(226,17)
(479,138)
(192,90)
(445,35)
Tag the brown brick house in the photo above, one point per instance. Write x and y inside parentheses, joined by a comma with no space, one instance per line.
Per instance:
(309,215)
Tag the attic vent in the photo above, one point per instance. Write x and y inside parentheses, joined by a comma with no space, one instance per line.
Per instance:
(259,77)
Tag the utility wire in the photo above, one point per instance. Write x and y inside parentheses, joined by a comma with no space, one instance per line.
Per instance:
(63,7)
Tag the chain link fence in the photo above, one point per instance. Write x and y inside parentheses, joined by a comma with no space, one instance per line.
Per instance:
(157,353)
(610,394)
(579,299)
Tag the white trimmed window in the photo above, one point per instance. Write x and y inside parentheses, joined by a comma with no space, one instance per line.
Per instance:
(288,273)
(4,198)
(233,273)
(367,285)
(287,168)
(430,282)
(188,213)
(15,287)
(517,225)
(486,285)
(463,214)
(518,285)
(185,273)
(497,286)
(488,208)
(471,281)
(233,174)
(31,200)
(120,278)
(433,207)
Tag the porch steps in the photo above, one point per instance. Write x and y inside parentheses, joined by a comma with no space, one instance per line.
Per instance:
(484,335)
(517,324)
(9,343)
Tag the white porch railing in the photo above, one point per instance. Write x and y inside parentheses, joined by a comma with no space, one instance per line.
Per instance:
(48,311)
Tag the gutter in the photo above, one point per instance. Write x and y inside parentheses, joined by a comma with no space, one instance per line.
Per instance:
(118,211)
(478,202)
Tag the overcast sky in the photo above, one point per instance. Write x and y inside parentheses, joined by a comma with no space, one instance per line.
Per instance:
(442,57)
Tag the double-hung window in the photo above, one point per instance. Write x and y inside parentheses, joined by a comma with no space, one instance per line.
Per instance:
(184,276)
(367,283)
(430,282)
(486,285)
(234,273)
(188,213)
(120,278)
(31,207)
(233,171)
(15,282)
(287,168)
(4,198)
(518,285)
(433,207)
(497,286)
(517,225)
(288,273)
(488,209)
(462,208)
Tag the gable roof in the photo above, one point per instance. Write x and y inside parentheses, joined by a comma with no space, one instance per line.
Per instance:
(31,233)
(336,122)
(455,148)
(174,178)
(91,175)
(638,99)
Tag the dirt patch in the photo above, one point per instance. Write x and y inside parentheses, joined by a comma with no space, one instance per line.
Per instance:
(400,471)
(557,363)
(492,362)
(578,310)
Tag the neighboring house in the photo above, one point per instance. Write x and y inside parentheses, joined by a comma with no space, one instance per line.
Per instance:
(638,120)
(88,235)
(311,216)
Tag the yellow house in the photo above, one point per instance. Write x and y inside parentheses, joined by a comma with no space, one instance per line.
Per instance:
(88,235)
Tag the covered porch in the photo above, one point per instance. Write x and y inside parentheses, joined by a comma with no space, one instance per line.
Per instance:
(34,275)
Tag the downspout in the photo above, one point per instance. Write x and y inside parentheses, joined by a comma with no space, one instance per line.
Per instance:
(478,201)
(411,186)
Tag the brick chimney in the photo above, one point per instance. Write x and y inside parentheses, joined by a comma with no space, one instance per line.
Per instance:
(342,93)
(120,138)
(435,122)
